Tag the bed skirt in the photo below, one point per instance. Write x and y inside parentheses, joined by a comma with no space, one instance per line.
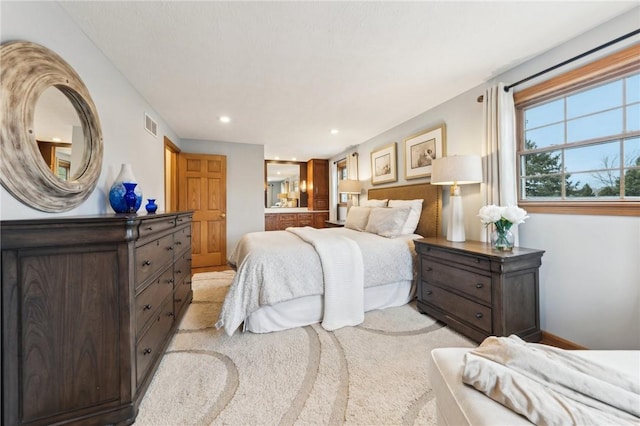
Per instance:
(308,310)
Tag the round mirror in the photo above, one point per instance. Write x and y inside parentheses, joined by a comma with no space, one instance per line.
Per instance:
(39,86)
(58,133)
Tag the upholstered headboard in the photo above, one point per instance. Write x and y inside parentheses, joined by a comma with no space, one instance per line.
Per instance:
(430,219)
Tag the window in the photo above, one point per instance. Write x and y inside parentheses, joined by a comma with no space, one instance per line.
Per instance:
(341,175)
(579,140)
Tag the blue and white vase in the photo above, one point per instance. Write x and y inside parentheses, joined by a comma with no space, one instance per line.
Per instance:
(118,191)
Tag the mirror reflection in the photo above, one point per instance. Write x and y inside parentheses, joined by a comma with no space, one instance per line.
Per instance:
(59,134)
(285,184)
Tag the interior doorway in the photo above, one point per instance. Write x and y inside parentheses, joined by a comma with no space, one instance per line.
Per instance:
(171,152)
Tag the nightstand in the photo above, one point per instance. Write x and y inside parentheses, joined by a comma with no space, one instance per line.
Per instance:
(479,291)
(334,223)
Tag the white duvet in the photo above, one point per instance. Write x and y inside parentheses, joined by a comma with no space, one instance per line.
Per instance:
(275,266)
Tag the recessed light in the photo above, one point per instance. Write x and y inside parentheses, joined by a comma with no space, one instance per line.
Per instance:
(276,157)
(334,131)
(224,119)
(293,158)
(56,139)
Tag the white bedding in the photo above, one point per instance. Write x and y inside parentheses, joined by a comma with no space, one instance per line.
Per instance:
(276,266)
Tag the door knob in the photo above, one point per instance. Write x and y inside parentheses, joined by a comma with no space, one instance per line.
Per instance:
(223,215)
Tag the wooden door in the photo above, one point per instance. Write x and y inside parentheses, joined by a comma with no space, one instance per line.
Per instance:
(202,182)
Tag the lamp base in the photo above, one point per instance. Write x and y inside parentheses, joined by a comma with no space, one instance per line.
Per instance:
(455,227)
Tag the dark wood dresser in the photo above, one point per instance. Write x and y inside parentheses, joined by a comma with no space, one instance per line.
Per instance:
(479,291)
(89,305)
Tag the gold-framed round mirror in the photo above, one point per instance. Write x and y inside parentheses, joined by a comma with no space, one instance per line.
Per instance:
(28,71)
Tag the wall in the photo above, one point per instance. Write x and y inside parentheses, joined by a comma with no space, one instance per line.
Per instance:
(590,274)
(245,184)
(120,107)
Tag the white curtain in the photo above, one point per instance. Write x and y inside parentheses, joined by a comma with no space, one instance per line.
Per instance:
(499,151)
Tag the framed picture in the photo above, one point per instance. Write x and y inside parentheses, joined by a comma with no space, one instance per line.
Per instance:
(383,165)
(421,149)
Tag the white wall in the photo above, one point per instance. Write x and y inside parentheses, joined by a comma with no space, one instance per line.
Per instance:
(590,274)
(120,107)
(245,184)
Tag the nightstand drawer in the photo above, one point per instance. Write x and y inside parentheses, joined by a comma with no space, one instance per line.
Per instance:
(460,258)
(456,306)
(463,281)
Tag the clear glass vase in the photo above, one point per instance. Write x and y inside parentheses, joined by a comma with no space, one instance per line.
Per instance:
(502,239)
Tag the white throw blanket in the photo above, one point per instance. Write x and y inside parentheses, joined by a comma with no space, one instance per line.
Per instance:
(343,272)
(551,386)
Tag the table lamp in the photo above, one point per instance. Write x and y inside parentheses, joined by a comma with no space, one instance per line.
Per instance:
(456,170)
(351,187)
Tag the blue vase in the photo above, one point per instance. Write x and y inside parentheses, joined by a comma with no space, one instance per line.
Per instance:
(117,191)
(130,197)
(151,205)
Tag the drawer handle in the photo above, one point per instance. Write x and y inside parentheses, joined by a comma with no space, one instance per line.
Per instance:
(146,262)
(428,292)
(180,220)
(170,281)
(479,285)
(149,228)
(178,243)
(146,307)
(169,314)
(178,300)
(170,248)
(429,268)
(479,315)
(178,271)
(146,351)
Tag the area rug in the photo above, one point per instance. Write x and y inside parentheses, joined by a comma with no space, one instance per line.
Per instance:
(372,374)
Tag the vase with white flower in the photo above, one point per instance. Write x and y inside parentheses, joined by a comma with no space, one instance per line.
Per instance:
(502,218)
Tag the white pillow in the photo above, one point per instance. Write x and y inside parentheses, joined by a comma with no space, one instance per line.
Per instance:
(414,216)
(387,221)
(357,218)
(374,203)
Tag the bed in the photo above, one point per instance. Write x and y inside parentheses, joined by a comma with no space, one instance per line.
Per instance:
(301,276)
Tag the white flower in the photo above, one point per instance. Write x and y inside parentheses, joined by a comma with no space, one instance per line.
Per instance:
(490,214)
(514,214)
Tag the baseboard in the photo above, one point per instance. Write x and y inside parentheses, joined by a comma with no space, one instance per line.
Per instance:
(559,342)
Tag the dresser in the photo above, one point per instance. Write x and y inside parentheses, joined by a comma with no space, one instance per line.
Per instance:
(479,291)
(282,221)
(89,305)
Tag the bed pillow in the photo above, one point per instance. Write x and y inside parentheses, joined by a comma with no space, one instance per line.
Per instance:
(387,221)
(374,203)
(411,224)
(357,218)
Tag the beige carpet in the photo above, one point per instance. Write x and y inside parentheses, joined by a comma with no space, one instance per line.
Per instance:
(373,374)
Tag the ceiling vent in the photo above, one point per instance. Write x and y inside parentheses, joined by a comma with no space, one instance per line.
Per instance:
(150,125)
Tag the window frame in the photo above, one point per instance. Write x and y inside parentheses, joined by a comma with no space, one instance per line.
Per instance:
(340,175)
(616,65)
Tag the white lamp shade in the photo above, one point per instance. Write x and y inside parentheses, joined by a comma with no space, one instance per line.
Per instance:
(349,186)
(456,169)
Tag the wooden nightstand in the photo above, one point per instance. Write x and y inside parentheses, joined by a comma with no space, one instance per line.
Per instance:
(334,223)
(479,291)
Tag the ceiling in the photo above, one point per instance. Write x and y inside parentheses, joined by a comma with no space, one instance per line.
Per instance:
(287,73)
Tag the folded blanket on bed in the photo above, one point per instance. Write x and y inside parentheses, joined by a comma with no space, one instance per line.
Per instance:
(343,272)
(551,386)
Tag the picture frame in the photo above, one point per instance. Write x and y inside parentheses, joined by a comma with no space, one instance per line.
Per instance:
(421,149)
(384,164)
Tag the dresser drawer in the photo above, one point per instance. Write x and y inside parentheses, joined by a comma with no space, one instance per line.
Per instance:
(182,268)
(148,302)
(151,257)
(182,239)
(467,259)
(305,219)
(180,296)
(151,226)
(463,309)
(472,284)
(148,348)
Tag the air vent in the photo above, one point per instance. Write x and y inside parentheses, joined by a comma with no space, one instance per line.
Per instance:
(150,125)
